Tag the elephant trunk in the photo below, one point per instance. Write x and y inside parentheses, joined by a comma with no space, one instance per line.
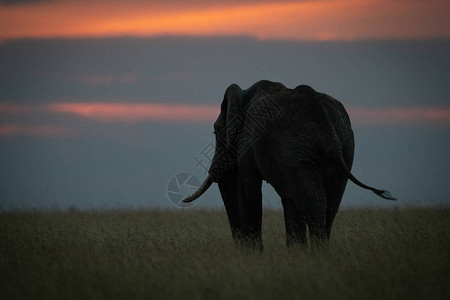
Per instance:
(206,184)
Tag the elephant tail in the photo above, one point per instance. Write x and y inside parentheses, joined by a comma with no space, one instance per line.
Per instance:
(381,193)
(334,149)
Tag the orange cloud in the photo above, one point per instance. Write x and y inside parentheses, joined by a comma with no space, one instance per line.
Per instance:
(297,20)
(138,112)
(400,115)
(32,130)
(145,112)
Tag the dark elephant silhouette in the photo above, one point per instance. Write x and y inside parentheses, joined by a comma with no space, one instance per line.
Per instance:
(298,140)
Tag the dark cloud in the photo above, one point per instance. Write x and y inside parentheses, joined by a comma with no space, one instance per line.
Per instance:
(196,70)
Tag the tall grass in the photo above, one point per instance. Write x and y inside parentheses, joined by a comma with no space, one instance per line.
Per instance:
(377,254)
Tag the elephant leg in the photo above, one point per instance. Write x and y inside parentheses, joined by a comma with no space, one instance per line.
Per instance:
(313,202)
(295,223)
(317,229)
(250,202)
(336,183)
(335,191)
(228,187)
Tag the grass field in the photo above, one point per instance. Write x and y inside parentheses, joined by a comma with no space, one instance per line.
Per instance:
(375,254)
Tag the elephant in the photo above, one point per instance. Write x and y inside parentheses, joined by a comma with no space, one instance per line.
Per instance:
(299,141)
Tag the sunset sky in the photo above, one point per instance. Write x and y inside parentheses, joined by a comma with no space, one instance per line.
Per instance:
(295,20)
(103,101)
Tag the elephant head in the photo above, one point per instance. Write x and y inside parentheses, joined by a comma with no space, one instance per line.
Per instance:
(226,129)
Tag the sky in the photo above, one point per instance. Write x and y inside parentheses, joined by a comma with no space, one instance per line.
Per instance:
(103,104)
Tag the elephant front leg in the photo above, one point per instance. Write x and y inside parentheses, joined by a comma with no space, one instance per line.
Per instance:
(250,206)
(228,187)
(250,203)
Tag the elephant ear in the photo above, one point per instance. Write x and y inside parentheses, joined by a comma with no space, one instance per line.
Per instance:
(227,129)
(234,114)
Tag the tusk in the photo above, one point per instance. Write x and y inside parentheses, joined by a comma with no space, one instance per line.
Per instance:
(206,184)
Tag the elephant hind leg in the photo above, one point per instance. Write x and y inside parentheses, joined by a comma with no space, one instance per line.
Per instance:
(317,230)
(312,200)
(315,211)
(295,223)
(305,203)
(336,187)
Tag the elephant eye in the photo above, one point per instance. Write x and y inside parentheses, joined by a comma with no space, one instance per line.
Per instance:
(214,132)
